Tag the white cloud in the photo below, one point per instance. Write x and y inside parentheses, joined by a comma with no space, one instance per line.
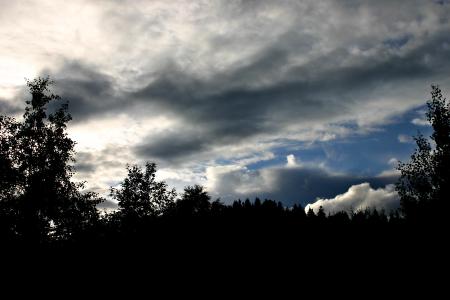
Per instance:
(120,130)
(291,161)
(359,197)
(420,122)
(393,162)
(232,181)
(403,138)
(390,173)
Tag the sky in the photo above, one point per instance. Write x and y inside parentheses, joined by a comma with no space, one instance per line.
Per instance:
(307,102)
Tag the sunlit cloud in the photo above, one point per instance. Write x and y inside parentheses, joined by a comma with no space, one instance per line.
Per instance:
(359,197)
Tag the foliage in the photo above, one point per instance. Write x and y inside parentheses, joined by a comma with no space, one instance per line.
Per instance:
(36,156)
(140,195)
(424,184)
(195,201)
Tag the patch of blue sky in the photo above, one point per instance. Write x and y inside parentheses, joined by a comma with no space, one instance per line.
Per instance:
(360,154)
(397,42)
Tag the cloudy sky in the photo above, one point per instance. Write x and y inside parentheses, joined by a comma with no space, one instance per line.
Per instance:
(292,100)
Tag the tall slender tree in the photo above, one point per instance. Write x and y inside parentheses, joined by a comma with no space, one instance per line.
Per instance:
(424,184)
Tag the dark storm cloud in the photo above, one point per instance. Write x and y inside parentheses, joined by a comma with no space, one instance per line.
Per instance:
(171,147)
(90,93)
(318,91)
(232,106)
(267,91)
(429,61)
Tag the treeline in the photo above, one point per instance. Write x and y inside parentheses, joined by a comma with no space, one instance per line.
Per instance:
(147,206)
(41,205)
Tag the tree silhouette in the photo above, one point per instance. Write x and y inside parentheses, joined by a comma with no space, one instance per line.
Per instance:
(424,185)
(321,216)
(140,196)
(9,174)
(36,187)
(195,201)
(340,217)
(311,215)
(298,212)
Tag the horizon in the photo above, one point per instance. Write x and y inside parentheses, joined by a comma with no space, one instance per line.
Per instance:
(293,102)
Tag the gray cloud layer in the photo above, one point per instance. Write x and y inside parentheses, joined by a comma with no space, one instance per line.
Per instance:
(7,109)
(232,77)
(290,81)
